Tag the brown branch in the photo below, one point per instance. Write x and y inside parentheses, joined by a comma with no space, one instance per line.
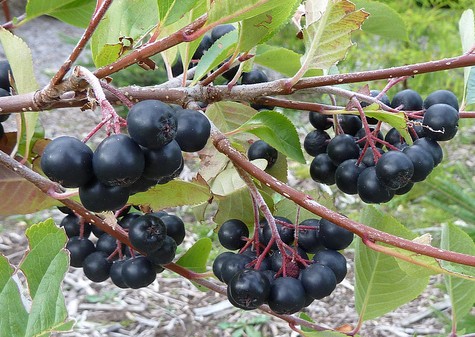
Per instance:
(223,145)
(96,18)
(151,49)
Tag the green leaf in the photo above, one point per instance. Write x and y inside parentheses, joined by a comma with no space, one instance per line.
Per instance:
(383,20)
(282,60)
(173,10)
(327,35)
(44,266)
(467,36)
(461,291)
(13,315)
(262,27)
(226,11)
(287,208)
(196,257)
(216,54)
(229,180)
(396,120)
(277,130)
(381,285)
(238,205)
(124,21)
(23,196)
(228,116)
(21,62)
(36,8)
(77,13)
(172,194)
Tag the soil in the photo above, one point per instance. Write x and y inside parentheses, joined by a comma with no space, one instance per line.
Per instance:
(172,306)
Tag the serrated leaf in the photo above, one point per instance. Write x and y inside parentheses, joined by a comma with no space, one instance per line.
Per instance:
(171,11)
(467,36)
(380,284)
(13,315)
(172,194)
(229,180)
(23,196)
(44,266)
(238,205)
(21,63)
(196,258)
(277,130)
(260,28)
(282,60)
(77,13)
(383,20)
(125,19)
(228,116)
(461,291)
(287,208)
(328,38)
(226,11)
(216,54)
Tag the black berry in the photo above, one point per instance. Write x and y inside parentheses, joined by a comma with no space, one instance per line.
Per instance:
(409,99)
(147,233)
(333,236)
(394,169)
(370,189)
(96,267)
(231,234)
(261,150)
(322,169)
(138,272)
(286,296)
(193,130)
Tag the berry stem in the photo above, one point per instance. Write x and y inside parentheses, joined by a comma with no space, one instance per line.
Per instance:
(117,93)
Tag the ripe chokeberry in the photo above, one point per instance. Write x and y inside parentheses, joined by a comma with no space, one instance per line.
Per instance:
(218,263)
(96,266)
(138,272)
(118,161)
(68,161)
(409,99)
(72,226)
(79,249)
(371,189)
(116,274)
(193,130)
(422,161)
(316,142)
(333,260)
(107,244)
(165,254)
(286,296)
(309,239)
(162,162)
(346,175)
(318,280)
(432,147)
(175,227)
(441,96)
(97,197)
(233,264)
(394,169)
(231,234)
(286,233)
(333,236)
(320,121)
(341,148)
(350,124)
(248,289)
(147,233)
(261,150)
(152,123)
(5,73)
(322,169)
(204,45)
(440,122)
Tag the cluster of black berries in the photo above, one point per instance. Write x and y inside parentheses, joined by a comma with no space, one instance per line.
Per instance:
(123,165)
(392,166)
(155,234)
(5,73)
(286,282)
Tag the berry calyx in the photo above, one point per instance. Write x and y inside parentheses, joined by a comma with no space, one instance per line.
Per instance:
(147,233)
(152,123)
